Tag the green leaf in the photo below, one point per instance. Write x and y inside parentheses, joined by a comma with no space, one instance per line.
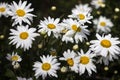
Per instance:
(9,73)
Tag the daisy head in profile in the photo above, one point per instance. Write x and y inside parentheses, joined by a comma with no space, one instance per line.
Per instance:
(83,7)
(71,58)
(107,59)
(105,45)
(23,37)
(98,3)
(4,9)
(21,78)
(51,26)
(103,24)
(86,62)
(48,66)
(83,16)
(74,30)
(14,58)
(21,12)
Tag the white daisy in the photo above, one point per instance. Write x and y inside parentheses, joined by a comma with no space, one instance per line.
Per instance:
(50,25)
(103,24)
(4,9)
(71,59)
(105,45)
(75,31)
(14,58)
(23,37)
(97,3)
(86,62)
(20,78)
(82,16)
(48,66)
(21,12)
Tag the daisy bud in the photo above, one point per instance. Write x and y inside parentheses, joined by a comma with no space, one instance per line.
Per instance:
(40,45)
(16,65)
(117,9)
(2,36)
(115,16)
(115,72)
(75,47)
(102,5)
(106,68)
(63,69)
(88,43)
(43,32)
(53,8)
(98,12)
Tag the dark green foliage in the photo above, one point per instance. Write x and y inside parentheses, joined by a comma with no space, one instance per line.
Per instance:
(42,8)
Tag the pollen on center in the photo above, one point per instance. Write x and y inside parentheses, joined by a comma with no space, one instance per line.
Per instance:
(2,9)
(75,28)
(70,62)
(24,35)
(84,60)
(46,66)
(51,26)
(20,12)
(81,16)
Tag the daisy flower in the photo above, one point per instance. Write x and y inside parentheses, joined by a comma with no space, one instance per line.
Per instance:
(105,45)
(50,25)
(71,59)
(86,62)
(75,31)
(21,12)
(82,16)
(14,58)
(97,3)
(103,24)
(4,9)
(20,78)
(48,66)
(23,37)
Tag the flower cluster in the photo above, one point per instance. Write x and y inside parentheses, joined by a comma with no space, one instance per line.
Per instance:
(72,30)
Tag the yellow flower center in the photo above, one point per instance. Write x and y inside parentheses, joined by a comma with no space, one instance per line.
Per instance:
(103,24)
(105,43)
(75,28)
(46,66)
(70,62)
(14,58)
(81,16)
(84,60)
(20,12)
(24,35)
(51,26)
(2,9)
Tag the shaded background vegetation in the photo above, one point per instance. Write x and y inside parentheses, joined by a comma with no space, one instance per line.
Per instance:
(43,8)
